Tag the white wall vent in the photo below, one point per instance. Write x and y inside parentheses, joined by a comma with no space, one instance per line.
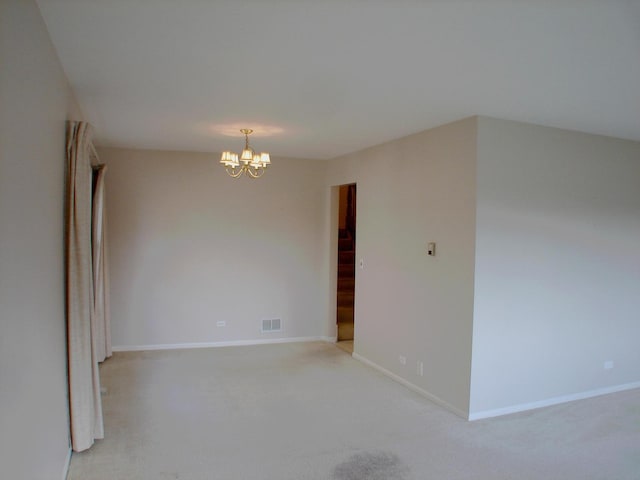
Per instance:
(271,325)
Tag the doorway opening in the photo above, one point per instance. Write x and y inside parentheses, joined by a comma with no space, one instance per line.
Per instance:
(345,294)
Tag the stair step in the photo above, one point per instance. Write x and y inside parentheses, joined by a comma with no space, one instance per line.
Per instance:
(346,270)
(345,244)
(345,299)
(346,283)
(346,257)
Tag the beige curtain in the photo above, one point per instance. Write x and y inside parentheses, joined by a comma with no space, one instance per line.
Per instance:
(84,378)
(101,319)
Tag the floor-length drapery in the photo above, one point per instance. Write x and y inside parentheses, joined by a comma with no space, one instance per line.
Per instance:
(85,404)
(101,320)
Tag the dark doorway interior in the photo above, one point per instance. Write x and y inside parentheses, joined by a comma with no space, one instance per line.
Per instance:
(346,262)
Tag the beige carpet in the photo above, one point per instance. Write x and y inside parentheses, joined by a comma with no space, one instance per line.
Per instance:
(309,411)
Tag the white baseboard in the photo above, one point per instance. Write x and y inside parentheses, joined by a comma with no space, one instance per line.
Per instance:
(65,470)
(232,343)
(411,386)
(552,401)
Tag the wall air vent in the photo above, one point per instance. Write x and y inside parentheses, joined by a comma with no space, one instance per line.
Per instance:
(271,325)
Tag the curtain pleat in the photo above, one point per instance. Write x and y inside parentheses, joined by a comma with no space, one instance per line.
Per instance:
(84,377)
(101,319)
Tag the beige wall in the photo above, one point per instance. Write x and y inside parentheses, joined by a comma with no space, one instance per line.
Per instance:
(190,246)
(557,266)
(412,191)
(34,99)
(548,270)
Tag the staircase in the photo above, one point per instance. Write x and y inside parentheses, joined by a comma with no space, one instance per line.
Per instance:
(346,285)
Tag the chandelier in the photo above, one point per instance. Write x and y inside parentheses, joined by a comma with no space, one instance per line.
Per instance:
(250,162)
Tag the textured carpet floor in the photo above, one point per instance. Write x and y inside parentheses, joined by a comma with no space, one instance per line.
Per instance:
(309,411)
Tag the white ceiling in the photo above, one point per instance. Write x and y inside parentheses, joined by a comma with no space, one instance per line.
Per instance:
(319,78)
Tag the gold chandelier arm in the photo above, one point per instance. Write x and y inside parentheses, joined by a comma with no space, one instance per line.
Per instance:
(255,172)
(233,172)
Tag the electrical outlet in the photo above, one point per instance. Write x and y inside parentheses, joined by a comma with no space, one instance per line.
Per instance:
(608,365)
(420,368)
(403,359)
(221,323)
